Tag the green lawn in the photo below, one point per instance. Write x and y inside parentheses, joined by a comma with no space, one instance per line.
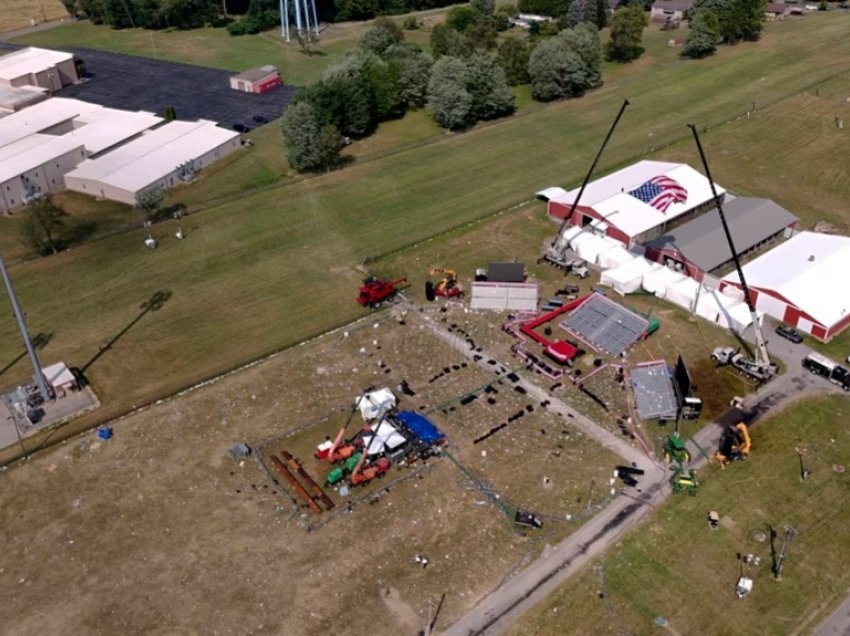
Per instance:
(675,567)
(273,267)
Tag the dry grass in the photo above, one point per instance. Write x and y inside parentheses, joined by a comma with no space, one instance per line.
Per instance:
(158,530)
(20,14)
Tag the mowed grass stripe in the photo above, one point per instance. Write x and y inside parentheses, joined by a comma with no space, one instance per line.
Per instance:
(273,268)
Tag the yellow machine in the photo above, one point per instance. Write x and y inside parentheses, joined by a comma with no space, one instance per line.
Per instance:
(447,287)
(735,444)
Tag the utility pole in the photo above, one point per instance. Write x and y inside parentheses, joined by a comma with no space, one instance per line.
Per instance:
(19,316)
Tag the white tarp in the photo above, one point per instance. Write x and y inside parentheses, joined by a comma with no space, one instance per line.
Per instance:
(615,257)
(622,279)
(590,249)
(375,403)
(504,296)
(658,280)
(386,438)
(581,237)
(711,303)
(683,293)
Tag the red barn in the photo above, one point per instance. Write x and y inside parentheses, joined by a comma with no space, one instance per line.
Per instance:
(256,80)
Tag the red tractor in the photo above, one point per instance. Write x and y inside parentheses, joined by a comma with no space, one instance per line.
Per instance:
(374,291)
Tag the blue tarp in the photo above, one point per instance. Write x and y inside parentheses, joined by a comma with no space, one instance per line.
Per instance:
(420,426)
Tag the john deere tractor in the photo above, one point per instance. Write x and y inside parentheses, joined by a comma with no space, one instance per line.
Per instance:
(675,451)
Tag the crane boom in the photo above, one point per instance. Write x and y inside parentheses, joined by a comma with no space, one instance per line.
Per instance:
(555,253)
(762,356)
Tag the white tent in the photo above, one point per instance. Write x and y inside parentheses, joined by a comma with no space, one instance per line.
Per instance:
(590,249)
(621,279)
(737,317)
(615,257)
(580,238)
(711,303)
(641,266)
(386,438)
(375,403)
(683,293)
(570,233)
(657,281)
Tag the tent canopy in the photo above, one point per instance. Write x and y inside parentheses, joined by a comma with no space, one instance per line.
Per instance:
(386,438)
(375,403)
(622,279)
(658,280)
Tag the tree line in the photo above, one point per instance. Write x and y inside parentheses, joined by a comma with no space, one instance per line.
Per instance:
(713,22)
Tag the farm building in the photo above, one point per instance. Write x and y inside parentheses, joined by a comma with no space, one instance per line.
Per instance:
(39,144)
(162,158)
(670,10)
(638,203)
(800,282)
(699,247)
(775,11)
(256,80)
(38,67)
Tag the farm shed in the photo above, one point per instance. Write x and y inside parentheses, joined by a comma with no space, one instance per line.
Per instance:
(14,98)
(800,282)
(38,67)
(162,158)
(638,203)
(256,80)
(60,378)
(699,247)
(670,10)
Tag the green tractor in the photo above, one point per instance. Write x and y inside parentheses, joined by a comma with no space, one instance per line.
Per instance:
(675,451)
(339,473)
(684,481)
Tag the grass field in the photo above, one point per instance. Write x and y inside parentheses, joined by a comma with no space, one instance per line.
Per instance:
(16,14)
(267,270)
(675,567)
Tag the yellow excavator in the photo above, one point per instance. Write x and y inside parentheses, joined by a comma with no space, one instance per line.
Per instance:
(446,287)
(734,445)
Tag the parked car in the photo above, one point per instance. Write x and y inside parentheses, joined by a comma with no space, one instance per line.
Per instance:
(260,119)
(241,128)
(789,334)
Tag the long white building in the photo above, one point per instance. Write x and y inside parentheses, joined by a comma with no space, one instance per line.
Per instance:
(41,143)
(161,158)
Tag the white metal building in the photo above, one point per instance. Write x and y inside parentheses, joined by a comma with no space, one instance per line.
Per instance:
(801,282)
(163,158)
(14,98)
(629,205)
(39,144)
(38,67)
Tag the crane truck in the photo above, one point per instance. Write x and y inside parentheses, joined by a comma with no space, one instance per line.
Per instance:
(557,253)
(760,369)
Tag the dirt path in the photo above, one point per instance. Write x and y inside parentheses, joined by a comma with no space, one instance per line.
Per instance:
(407,618)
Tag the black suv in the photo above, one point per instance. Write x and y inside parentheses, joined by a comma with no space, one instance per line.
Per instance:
(789,334)
(260,119)
(241,128)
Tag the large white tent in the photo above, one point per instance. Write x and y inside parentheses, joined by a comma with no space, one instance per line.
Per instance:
(627,278)
(737,317)
(375,403)
(589,250)
(658,280)
(711,302)
(616,256)
(683,293)
(386,438)
(578,239)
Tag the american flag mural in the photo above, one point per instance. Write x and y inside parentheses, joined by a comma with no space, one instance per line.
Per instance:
(660,192)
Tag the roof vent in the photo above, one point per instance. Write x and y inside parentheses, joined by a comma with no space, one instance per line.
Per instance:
(812,258)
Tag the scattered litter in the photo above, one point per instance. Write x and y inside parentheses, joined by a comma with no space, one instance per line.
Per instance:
(104,432)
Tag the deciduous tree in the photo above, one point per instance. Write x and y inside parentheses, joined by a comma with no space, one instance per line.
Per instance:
(556,71)
(488,87)
(703,35)
(513,56)
(309,144)
(448,99)
(627,27)
(44,223)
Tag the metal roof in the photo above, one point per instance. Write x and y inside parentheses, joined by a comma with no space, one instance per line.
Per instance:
(255,74)
(703,242)
(30,60)
(603,323)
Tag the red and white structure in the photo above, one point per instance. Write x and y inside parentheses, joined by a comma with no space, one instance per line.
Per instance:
(800,282)
(636,204)
(256,80)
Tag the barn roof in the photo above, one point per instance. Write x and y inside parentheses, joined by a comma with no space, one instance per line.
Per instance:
(806,270)
(703,242)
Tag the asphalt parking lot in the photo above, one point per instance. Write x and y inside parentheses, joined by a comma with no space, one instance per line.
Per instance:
(138,83)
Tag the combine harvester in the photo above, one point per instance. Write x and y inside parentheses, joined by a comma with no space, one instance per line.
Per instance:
(375,291)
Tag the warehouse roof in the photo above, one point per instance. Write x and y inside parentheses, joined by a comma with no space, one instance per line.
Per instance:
(37,155)
(30,60)
(703,242)
(42,116)
(143,161)
(254,74)
(609,196)
(14,96)
(806,270)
